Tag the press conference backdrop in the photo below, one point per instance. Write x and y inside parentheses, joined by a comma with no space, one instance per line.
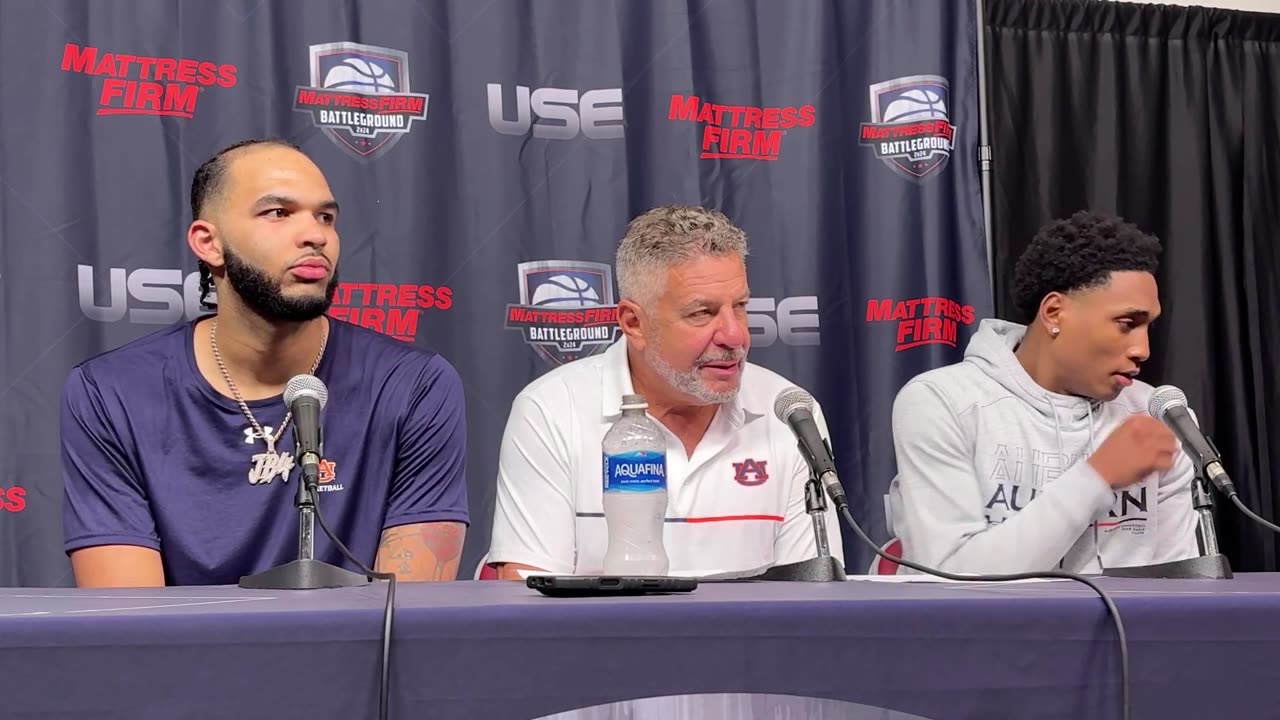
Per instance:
(487,156)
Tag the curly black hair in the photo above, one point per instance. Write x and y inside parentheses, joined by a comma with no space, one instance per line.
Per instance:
(206,184)
(1077,253)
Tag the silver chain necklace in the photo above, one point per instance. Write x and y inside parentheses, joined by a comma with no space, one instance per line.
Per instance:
(270,463)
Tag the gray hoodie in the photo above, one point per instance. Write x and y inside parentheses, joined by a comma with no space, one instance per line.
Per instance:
(992,475)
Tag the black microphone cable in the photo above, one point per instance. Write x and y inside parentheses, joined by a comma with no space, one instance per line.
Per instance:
(817,454)
(1048,574)
(384,687)
(309,436)
(1235,498)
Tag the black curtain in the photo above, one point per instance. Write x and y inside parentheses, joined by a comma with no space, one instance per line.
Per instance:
(1169,117)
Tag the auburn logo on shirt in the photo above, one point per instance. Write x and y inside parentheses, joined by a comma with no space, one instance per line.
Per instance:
(751,472)
(328,473)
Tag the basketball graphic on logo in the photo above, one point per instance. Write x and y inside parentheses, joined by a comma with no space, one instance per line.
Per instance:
(359,75)
(565,290)
(918,104)
(910,129)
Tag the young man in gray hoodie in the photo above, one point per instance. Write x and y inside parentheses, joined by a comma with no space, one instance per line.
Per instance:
(1036,452)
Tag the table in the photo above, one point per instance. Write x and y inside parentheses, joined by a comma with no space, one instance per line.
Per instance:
(498,650)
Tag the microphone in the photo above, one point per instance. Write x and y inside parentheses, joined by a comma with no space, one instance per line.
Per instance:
(795,408)
(305,396)
(1169,405)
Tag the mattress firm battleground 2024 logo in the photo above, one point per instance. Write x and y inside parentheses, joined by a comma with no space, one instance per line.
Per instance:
(910,128)
(359,94)
(567,308)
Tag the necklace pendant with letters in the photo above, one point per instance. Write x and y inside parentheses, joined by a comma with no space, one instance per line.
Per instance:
(267,465)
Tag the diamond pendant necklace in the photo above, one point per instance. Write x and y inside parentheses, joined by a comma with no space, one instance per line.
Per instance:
(268,464)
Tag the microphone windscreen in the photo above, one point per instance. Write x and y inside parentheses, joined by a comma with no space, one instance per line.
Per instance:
(301,385)
(790,400)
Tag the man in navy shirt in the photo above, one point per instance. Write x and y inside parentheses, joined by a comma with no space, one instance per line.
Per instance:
(177,448)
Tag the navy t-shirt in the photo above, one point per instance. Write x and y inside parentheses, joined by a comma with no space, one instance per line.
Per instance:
(153,456)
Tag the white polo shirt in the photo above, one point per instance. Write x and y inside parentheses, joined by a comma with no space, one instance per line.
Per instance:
(736,505)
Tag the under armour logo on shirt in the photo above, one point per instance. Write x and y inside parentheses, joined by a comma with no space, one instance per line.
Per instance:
(250,435)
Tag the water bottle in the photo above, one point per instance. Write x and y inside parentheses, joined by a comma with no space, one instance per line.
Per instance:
(635,492)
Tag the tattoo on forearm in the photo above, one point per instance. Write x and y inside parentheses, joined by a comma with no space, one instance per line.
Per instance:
(405,556)
(423,552)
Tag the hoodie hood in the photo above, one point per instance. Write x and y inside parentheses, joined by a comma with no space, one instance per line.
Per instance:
(991,350)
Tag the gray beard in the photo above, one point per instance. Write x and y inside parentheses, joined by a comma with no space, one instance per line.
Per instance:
(689,381)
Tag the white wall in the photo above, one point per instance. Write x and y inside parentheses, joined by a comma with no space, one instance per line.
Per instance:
(1272,6)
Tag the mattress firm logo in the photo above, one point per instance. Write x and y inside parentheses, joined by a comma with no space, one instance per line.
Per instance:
(921,321)
(13,500)
(146,85)
(739,132)
(390,309)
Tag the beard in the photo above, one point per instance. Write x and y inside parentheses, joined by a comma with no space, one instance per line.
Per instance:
(265,296)
(690,381)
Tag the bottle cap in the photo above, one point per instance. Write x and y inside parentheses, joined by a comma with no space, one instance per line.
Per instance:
(634,402)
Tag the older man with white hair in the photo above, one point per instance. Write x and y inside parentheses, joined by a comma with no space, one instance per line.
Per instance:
(735,477)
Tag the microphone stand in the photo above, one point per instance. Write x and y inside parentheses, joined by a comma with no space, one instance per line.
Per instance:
(815,503)
(822,568)
(1211,565)
(1202,501)
(305,573)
